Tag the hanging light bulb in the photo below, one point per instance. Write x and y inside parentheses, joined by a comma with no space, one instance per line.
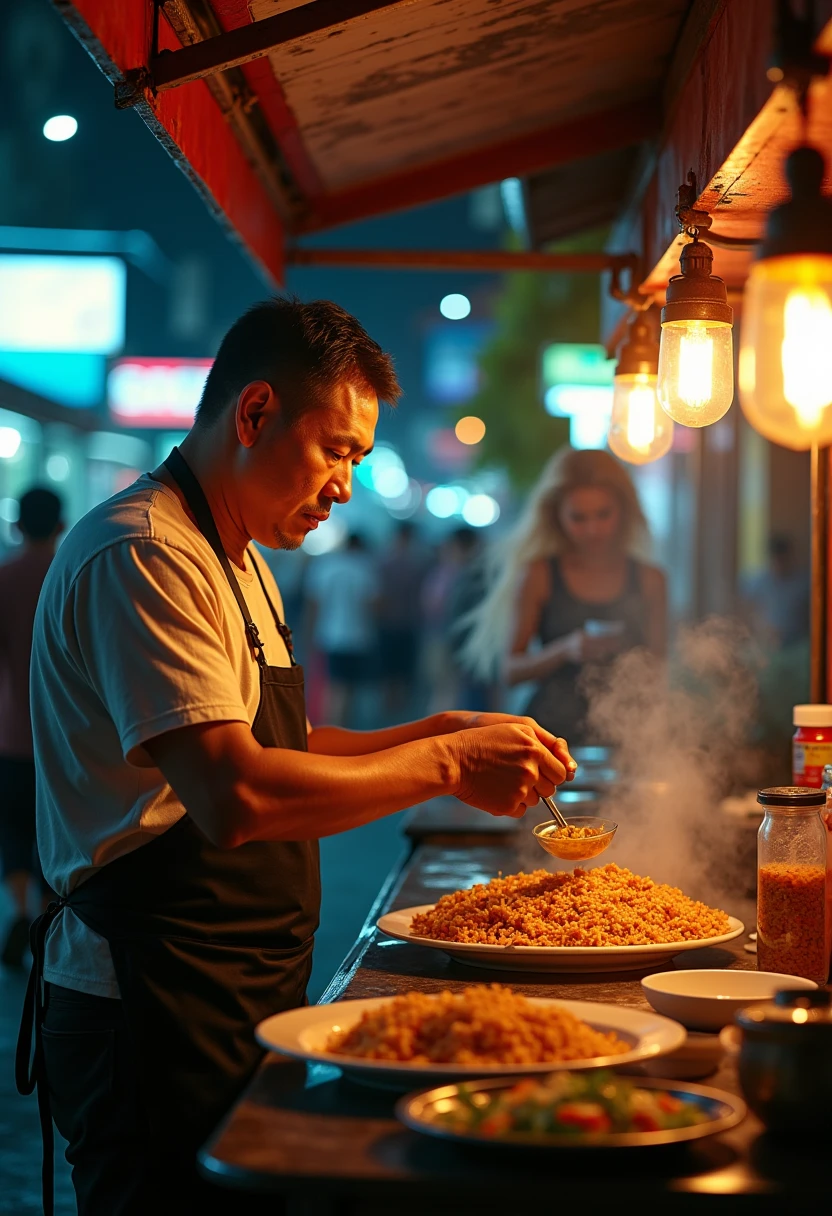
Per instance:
(640,430)
(785,367)
(696,360)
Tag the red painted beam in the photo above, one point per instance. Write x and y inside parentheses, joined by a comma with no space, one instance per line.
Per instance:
(186,121)
(532,153)
(257,39)
(231,14)
(487,260)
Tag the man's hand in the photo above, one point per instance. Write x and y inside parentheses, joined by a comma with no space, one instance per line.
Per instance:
(462,719)
(505,769)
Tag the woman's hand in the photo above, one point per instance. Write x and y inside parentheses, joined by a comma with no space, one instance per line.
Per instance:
(582,647)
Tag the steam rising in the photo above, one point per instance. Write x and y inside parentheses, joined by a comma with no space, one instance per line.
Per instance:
(678,738)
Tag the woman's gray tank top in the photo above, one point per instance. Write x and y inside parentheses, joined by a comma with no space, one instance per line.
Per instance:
(558,704)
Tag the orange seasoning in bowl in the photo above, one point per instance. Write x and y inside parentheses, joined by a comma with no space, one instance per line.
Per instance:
(792,920)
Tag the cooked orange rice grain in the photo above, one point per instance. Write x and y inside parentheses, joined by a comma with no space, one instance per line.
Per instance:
(480,1025)
(607,906)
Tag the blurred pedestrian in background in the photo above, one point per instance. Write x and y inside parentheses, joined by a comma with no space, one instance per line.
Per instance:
(438,602)
(401,571)
(572,592)
(776,600)
(342,588)
(21,579)
(467,591)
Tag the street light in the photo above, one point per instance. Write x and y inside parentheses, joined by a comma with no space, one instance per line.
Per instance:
(640,430)
(785,365)
(696,365)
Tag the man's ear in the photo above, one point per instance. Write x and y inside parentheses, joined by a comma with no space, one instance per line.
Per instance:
(256,403)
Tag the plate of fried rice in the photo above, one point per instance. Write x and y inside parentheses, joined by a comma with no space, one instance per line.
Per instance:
(479,1031)
(603,919)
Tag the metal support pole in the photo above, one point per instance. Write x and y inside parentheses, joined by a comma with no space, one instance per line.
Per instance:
(489,260)
(820,572)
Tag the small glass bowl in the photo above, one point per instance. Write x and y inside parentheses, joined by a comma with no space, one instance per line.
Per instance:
(567,849)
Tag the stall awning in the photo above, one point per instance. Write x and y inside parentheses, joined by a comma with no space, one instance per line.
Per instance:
(296,117)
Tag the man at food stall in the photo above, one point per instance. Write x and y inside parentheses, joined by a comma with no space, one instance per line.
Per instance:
(182,791)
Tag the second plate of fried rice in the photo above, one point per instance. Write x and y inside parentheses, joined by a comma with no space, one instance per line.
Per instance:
(485,1030)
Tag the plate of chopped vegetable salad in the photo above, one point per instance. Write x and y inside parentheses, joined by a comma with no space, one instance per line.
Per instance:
(571,1110)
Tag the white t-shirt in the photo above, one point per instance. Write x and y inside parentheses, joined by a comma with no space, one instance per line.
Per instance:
(137,633)
(344,586)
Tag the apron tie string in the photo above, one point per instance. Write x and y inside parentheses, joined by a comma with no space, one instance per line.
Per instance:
(29,1066)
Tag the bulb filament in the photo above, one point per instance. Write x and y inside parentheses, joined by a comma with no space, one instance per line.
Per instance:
(641,418)
(807,354)
(696,361)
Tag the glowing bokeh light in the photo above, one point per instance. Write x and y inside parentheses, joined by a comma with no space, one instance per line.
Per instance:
(480,510)
(470,429)
(60,128)
(455,307)
(10,440)
(391,482)
(57,467)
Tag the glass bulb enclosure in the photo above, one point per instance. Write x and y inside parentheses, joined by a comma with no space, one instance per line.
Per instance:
(696,356)
(640,430)
(696,371)
(785,363)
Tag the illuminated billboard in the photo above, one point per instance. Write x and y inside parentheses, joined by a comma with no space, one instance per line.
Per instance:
(577,384)
(162,393)
(62,303)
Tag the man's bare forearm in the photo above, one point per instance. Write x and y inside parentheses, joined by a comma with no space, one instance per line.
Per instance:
(336,741)
(288,795)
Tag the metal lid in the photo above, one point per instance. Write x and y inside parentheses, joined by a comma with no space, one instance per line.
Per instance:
(803,225)
(793,1011)
(812,715)
(696,294)
(639,353)
(791,796)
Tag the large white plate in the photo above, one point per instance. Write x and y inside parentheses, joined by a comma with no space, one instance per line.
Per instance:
(550,958)
(303,1034)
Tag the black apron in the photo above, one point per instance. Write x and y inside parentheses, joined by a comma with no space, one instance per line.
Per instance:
(206,942)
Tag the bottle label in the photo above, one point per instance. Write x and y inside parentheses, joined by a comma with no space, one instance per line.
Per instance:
(808,760)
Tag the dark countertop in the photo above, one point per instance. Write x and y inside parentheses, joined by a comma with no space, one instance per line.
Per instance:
(333,1146)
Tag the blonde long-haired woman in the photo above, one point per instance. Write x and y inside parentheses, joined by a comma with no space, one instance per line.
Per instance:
(571,578)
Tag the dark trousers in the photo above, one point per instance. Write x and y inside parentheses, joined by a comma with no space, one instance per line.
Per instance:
(95,1106)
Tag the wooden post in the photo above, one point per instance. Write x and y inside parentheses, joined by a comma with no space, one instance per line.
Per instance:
(820,572)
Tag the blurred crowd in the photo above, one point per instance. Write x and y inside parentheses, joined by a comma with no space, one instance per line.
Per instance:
(381,628)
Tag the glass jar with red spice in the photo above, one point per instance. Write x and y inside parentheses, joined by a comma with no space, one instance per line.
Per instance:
(792,930)
(811,743)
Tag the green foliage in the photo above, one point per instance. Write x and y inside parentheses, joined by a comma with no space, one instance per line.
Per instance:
(533,311)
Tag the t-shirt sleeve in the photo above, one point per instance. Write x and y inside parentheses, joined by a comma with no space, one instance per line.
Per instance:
(148,626)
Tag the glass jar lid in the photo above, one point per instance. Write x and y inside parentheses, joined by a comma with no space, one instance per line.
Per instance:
(792,1012)
(796,796)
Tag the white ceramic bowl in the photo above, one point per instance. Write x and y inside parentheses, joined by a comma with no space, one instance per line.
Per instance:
(708,1000)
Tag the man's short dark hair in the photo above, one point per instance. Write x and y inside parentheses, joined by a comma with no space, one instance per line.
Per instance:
(40,514)
(301,350)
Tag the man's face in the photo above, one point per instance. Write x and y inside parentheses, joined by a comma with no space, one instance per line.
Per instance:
(294,474)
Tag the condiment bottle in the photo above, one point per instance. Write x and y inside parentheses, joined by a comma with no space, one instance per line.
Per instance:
(811,743)
(792,932)
(826,785)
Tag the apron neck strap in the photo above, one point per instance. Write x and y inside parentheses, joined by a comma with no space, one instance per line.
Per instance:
(184,477)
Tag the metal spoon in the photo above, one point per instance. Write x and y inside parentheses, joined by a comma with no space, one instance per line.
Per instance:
(555,813)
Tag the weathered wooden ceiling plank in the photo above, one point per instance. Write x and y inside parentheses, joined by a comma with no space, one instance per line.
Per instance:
(432,81)
(539,150)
